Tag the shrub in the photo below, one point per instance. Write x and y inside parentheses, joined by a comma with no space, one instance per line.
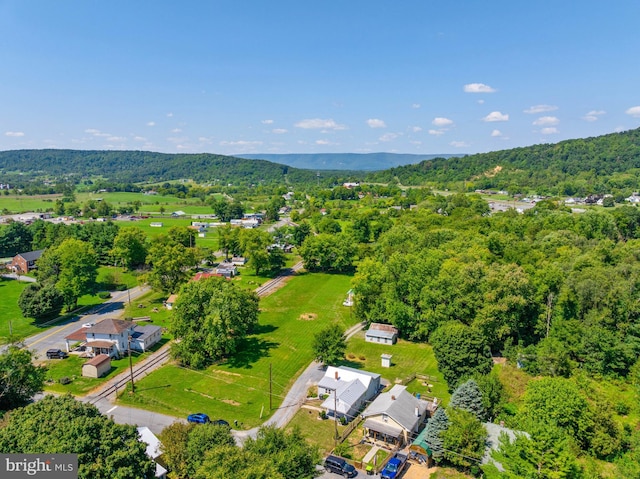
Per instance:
(104,295)
(64,380)
(622,408)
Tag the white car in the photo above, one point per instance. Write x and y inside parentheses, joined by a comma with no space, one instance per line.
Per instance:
(88,325)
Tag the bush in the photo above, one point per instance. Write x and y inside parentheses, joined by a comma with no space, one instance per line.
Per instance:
(323,414)
(622,409)
(64,380)
(104,295)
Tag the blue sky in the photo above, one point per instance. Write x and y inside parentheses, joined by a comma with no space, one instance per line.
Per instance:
(232,77)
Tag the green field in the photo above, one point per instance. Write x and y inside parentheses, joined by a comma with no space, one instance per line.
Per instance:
(239,388)
(408,359)
(210,240)
(71,368)
(21,327)
(22,203)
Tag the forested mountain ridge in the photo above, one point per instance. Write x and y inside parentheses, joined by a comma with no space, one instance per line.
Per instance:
(345,161)
(139,166)
(572,167)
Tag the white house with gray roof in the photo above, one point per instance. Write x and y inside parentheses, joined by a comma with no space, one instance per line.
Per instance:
(394,416)
(348,390)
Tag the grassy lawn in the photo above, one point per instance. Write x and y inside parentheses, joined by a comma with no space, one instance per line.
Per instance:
(21,327)
(449,473)
(210,240)
(238,389)
(71,368)
(408,359)
(151,304)
(317,431)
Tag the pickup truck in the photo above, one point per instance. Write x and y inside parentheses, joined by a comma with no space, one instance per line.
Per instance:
(394,467)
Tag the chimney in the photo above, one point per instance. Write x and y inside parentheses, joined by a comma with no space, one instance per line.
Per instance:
(336,374)
(417,411)
(393,398)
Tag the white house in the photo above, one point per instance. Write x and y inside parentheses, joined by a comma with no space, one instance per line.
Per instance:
(111,337)
(154,449)
(348,389)
(395,416)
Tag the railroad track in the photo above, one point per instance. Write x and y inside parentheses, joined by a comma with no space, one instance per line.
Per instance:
(270,286)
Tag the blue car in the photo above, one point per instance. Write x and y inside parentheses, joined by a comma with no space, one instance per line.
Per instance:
(199,418)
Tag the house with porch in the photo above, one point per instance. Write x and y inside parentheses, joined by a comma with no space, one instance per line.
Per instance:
(395,416)
(113,336)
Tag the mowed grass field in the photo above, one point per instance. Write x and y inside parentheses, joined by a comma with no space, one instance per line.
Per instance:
(210,240)
(238,389)
(21,327)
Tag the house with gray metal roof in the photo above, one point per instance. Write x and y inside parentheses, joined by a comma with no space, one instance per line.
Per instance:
(348,390)
(394,416)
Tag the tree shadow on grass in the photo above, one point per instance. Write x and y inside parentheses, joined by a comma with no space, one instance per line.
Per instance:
(351,364)
(263,329)
(250,350)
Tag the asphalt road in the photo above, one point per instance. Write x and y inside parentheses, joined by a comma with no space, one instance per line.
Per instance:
(53,338)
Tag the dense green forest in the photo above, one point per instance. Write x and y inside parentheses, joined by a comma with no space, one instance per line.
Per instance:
(572,167)
(144,166)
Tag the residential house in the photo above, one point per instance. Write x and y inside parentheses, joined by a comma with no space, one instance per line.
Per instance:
(22,263)
(238,260)
(348,390)
(154,449)
(227,270)
(113,336)
(381,333)
(97,366)
(395,416)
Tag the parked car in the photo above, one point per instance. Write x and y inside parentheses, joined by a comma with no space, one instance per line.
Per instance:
(221,422)
(88,325)
(339,466)
(198,418)
(56,354)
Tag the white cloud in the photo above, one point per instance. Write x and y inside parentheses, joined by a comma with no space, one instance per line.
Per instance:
(416,142)
(437,132)
(176,130)
(440,121)
(324,142)
(416,105)
(116,138)
(496,116)
(376,123)
(634,111)
(388,137)
(169,115)
(495,133)
(540,109)
(546,120)
(593,115)
(459,144)
(550,130)
(278,131)
(14,134)
(478,88)
(91,131)
(319,123)
(139,138)
(416,129)
(481,102)
(94,132)
(151,123)
(267,122)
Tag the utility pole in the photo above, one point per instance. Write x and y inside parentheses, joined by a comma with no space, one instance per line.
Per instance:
(335,412)
(133,386)
(270,387)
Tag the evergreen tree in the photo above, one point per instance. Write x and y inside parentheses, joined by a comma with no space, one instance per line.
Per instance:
(436,424)
(468,397)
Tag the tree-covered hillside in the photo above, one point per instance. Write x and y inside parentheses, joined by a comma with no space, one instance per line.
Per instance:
(572,167)
(139,166)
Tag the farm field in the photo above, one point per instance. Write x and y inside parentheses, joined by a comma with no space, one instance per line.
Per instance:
(238,389)
(210,240)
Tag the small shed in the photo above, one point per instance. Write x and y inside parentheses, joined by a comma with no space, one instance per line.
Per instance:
(381,333)
(97,366)
(170,301)
(386,360)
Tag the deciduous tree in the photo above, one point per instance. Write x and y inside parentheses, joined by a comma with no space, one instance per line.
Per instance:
(20,379)
(329,344)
